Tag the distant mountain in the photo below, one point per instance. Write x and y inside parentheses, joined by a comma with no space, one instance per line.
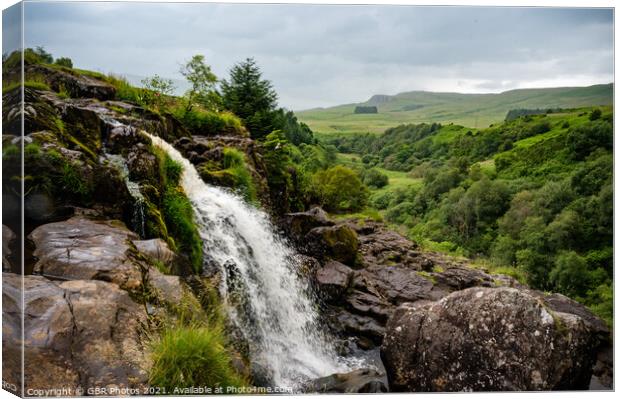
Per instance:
(472,110)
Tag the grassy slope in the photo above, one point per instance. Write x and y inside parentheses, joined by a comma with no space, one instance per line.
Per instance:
(473,110)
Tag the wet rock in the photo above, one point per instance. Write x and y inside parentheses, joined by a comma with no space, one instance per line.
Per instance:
(368,304)
(156,249)
(397,284)
(459,278)
(77,334)
(337,242)
(333,280)
(357,381)
(300,223)
(121,138)
(168,289)
(379,245)
(84,249)
(486,339)
(7,241)
(359,325)
(39,207)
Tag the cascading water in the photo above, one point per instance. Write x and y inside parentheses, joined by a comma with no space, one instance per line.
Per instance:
(137,218)
(265,297)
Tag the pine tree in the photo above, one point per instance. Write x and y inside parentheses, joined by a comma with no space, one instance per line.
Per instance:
(251,98)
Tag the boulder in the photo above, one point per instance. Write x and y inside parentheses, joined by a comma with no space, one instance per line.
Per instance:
(356,381)
(84,249)
(337,242)
(156,250)
(486,339)
(300,223)
(77,334)
(333,280)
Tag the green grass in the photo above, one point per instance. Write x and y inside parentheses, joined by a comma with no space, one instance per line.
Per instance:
(192,355)
(472,110)
(396,179)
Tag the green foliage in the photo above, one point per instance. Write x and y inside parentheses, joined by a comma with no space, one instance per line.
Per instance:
(179,217)
(64,62)
(202,82)
(374,178)
(235,165)
(210,123)
(294,131)
(195,355)
(583,140)
(532,195)
(177,211)
(250,97)
(160,88)
(339,189)
(360,109)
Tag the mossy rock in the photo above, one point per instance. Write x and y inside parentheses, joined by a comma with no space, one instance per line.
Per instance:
(338,242)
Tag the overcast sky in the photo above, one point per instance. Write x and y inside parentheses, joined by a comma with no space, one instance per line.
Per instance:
(327,55)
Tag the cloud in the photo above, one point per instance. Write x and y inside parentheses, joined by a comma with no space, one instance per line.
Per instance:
(320,55)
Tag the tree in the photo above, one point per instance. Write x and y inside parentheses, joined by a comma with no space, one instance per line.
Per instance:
(570,274)
(374,178)
(251,98)
(160,87)
(202,82)
(340,189)
(43,55)
(64,61)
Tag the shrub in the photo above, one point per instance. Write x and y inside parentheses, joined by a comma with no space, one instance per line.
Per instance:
(340,189)
(374,178)
(210,123)
(64,61)
(192,356)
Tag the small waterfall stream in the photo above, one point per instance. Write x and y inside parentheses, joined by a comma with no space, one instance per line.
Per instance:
(264,295)
(138,213)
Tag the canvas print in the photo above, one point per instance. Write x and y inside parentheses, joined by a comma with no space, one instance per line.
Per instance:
(218,198)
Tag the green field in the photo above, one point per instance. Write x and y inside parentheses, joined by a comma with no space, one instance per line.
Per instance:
(471,110)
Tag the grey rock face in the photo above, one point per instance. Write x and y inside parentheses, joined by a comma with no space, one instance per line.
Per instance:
(486,339)
(77,333)
(83,249)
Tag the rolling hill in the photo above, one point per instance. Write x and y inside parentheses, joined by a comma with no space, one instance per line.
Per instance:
(472,110)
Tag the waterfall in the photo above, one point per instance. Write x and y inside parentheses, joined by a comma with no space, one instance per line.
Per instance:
(265,297)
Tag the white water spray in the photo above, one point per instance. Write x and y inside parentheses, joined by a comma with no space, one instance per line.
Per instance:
(266,299)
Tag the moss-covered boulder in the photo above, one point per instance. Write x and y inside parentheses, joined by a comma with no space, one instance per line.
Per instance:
(337,242)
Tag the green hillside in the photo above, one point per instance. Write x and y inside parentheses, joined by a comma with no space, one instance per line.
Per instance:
(472,110)
(531,197)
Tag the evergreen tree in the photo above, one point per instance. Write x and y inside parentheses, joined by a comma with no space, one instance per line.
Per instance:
(251,98)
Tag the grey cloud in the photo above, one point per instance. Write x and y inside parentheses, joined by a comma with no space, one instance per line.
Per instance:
(325,55)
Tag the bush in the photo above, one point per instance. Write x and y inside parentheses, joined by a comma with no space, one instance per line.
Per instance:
(64,62)
(340,189)
(374,178)
(192,356)
(210,123)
